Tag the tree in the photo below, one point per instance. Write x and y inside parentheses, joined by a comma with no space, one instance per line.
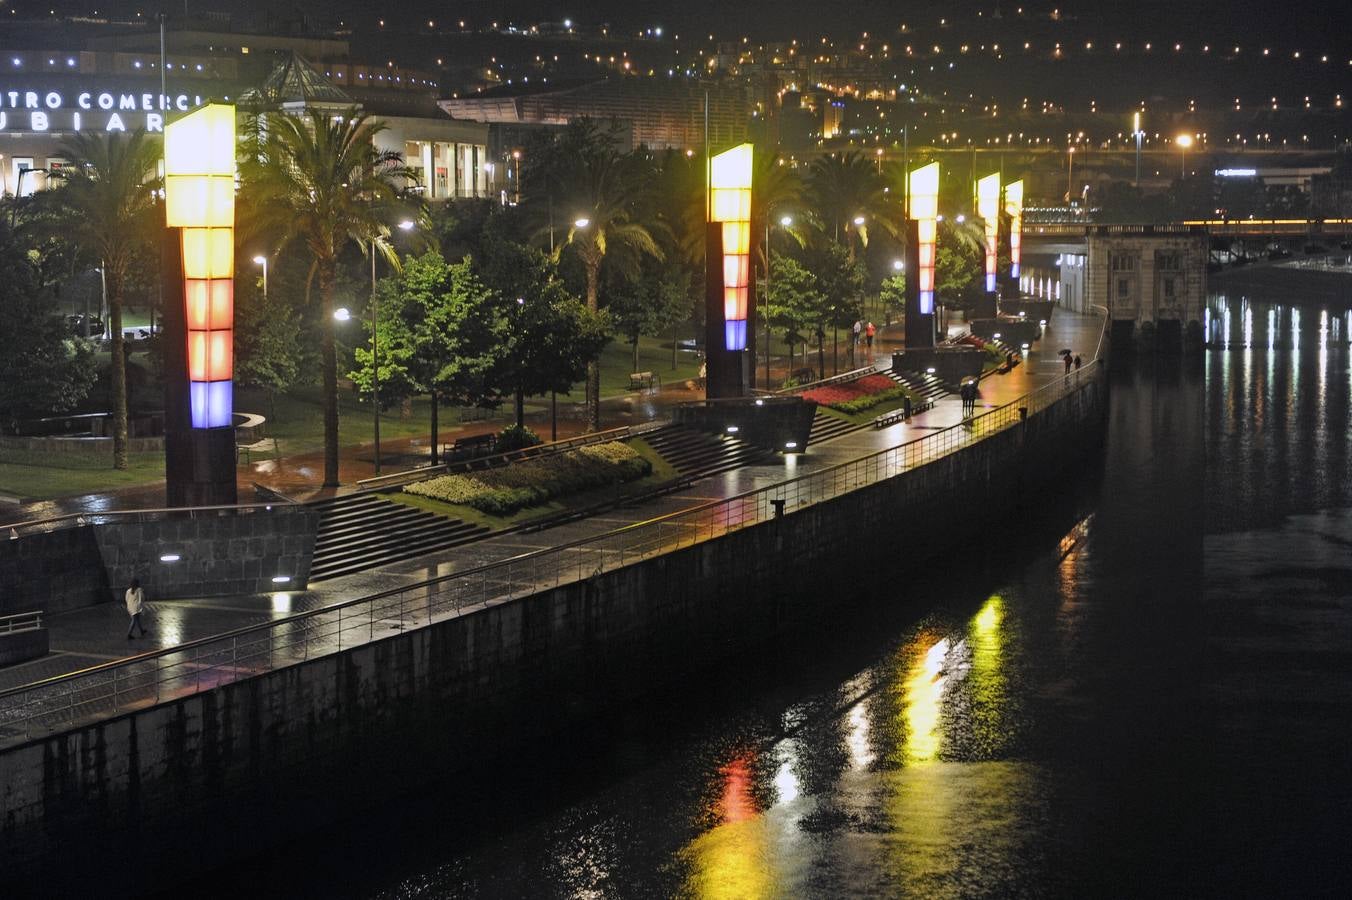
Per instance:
(551,336)
(841,280)
(441,333)
(892,295)
(44,369)
(268,347)
(845,187)
(794,298)
(605,196)
(649,304)
(318,178)
(107,205)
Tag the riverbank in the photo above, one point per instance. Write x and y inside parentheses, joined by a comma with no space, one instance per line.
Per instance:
(1283,282)
(251,754)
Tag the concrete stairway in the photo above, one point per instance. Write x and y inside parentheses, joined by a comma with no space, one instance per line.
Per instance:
(362,531)
(925,386)
(697,454)
(826,426)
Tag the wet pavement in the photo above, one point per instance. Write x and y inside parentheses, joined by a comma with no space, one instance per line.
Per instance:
(85,637)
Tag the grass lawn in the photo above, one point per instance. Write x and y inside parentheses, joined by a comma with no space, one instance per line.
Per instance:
(662,472)
(654,355)
(33,475)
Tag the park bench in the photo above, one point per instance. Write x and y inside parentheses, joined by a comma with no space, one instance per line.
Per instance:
(639,381)
(470,447)
(898,415)
(244,452)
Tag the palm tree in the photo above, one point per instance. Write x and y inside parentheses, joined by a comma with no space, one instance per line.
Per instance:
(605,196)
(849,195)
(106,205)
(320,179)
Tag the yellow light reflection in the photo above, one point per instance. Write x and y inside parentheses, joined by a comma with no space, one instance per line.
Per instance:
(923,694)
(732,859)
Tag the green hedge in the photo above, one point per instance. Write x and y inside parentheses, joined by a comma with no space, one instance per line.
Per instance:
(512,487)
(869,401)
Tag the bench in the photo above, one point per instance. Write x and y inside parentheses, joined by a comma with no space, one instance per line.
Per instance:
(639,381)
(473,413)
(899,415)
(245,451)
(470,447)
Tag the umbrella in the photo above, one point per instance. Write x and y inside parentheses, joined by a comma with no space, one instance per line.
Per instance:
(1063,353)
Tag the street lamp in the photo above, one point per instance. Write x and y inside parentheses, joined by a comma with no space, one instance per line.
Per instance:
(858,220)
(1070,172)
(898,265)
(261,260)
(1136,132)
(341,314)
(1184,141)
(582,222)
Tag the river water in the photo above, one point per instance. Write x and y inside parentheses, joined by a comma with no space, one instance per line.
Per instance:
(1140,686)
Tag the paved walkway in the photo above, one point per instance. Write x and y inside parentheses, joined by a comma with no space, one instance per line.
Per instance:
(86,637)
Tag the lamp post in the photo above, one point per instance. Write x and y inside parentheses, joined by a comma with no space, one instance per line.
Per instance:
(262,260)
(1136,132)
(1184,141)
(1070,173)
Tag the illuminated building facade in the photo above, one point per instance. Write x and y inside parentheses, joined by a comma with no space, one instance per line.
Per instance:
(1014,209)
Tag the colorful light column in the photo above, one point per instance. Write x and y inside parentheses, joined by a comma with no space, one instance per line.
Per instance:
(199,196)
(730,205)
(924,196)
(988,208)
(1014,209)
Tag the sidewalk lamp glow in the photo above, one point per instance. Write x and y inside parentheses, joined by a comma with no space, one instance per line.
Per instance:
(898,265)
(785,221)
(341,314)
(1014,209)
(730,205)
(406,225)
(199,198)
(924,193)
(988,208)
(858,220)
(581,223)
(260,260)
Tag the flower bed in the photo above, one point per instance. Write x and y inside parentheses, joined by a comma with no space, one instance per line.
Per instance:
(531,482)
(858,395)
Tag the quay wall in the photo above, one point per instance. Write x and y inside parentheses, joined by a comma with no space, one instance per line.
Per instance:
(221,773)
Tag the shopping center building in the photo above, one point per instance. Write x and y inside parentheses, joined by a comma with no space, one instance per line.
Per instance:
(115,84)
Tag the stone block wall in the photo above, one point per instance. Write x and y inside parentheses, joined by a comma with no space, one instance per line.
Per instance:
(219,774)
(51,571)
(239,553)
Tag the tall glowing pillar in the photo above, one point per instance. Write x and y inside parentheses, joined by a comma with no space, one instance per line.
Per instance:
(199,202)
(988,208)
(924,195)
(922,232)
(728,286)
(1014,209)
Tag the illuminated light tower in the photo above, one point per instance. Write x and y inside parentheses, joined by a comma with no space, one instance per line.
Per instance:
(1138,134)
(199,293)
(728,288)
(1014,209)
(988,208)
(922,232)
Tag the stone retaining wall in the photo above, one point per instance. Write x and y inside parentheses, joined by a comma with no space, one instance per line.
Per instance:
(221,773)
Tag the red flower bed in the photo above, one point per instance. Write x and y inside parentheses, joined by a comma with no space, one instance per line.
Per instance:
(832,394)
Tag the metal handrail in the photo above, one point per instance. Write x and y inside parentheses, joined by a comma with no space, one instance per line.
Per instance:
(25,621)
(65,699)
(85,518)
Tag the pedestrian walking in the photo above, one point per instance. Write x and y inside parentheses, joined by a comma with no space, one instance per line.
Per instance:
(135,599)
(869,332)
(1068,361)
(1077,362)
(857,329)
